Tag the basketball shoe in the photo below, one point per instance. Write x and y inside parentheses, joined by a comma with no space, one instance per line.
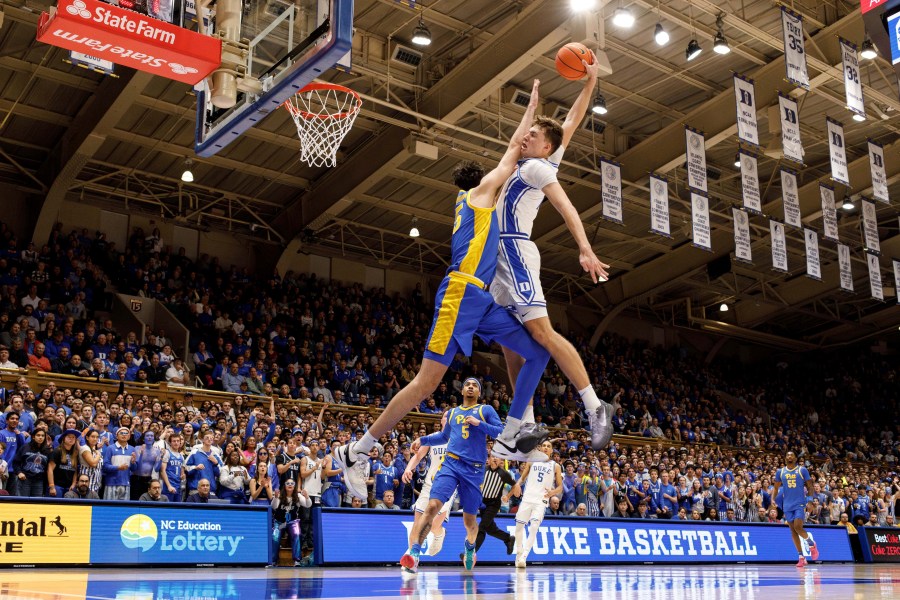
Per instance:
(354,477)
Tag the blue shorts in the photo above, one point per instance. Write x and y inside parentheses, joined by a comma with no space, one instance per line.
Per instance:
(464,309)
(793,513)
(455,474)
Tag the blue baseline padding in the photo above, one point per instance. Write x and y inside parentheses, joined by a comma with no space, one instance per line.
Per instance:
(340,43)
(575,540)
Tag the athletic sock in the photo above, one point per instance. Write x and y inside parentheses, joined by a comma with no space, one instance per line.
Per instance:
(589,396)
(809,539)
(469,545)
(415,550)
(364,445)
(528,417)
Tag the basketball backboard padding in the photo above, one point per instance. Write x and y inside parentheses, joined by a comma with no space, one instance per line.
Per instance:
(335,42)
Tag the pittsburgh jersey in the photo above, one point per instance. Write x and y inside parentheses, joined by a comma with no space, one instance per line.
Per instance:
(436,457)
(467,442)
(522,195)
(474,230)
(541,477)
(793,488)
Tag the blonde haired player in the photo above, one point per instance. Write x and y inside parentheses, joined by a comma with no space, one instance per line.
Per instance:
(436,454)
(517,285)
(542,480)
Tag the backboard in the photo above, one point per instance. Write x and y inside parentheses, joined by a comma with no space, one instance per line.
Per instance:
(282,46)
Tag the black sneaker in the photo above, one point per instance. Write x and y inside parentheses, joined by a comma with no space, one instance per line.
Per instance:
(511,544)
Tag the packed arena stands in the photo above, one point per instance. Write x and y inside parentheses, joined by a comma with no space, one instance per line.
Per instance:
(282,368)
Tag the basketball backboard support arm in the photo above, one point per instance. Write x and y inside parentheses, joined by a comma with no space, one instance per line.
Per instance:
(303,63)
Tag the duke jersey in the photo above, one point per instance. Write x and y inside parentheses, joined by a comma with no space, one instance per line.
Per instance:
(541,477)
(436,457)
(313,482)
(522,195)
(793,488)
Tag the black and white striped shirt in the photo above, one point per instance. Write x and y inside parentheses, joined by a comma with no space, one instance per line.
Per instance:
(494,480)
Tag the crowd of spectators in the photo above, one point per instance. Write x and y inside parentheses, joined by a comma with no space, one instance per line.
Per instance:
(300,338)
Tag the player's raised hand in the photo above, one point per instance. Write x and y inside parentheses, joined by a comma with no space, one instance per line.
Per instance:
(533,102)
(592,69)
(593,266)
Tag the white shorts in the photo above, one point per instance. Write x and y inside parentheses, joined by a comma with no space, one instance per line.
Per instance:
(425,496)
(517,284)
(531,512)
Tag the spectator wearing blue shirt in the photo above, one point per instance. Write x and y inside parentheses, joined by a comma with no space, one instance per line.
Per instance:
(118,462)
(26,419)
(723,495)
(668,499)
(203,464)
(386,476)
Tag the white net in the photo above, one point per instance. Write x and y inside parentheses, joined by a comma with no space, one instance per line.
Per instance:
(323,114)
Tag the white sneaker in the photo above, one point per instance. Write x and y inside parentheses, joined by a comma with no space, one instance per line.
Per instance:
(436,544)
(520,561)
(600,422)
(348,461)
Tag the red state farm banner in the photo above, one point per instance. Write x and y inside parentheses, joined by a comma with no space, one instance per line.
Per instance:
(130,39)
(867,5)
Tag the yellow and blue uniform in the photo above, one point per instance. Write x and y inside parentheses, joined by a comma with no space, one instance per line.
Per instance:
(463,466)
(463,306)
(793,491)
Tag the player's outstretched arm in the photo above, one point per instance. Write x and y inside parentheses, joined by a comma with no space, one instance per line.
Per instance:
(579,108)
(589,261)
(492,181)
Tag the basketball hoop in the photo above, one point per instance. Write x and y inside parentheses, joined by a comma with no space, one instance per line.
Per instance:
(323,114)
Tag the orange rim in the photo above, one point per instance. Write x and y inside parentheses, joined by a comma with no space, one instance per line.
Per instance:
(324,86)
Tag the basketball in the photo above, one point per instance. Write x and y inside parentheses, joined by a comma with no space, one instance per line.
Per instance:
(568,60)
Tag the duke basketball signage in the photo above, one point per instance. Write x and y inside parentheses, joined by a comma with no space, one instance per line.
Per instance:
(130,39)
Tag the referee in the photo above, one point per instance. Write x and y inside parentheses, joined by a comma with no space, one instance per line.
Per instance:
(495,477)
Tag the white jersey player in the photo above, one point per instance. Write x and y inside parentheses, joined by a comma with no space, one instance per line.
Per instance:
(542,480)
(517,284)
(436,457)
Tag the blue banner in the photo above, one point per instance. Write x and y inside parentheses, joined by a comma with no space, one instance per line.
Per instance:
(576,540)
(893,29)
(181,534)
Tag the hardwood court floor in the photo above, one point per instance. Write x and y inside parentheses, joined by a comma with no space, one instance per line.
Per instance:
(742,582)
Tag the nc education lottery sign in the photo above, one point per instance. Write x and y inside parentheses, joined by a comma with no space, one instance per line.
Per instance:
(579,540)
(127,38)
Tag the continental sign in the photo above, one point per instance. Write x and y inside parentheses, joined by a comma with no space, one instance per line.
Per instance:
(35,534)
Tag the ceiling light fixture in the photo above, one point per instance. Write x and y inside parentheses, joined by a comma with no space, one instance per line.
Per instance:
(720,44)
(737,160)
(693,50)
(582,5)
(660,35)
(187,176)
(868,50)
(723,307)
(414,231)
(623,18)
(421,34)
(599,105)
(848,203)
(859,118)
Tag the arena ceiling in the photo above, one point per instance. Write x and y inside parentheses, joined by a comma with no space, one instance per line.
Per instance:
(68,133)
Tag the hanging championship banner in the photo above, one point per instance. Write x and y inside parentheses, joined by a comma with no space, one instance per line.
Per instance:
(879,176)
(813,269)
(837,152)
(742,250)
(896,279)
(696,159)
(700,221)
(779,246)
(794,53)
(852,85)
(870,227)
(750,182)
(745,106)
(829,213)
(846,270)
(611,190)
(659,205)
(875,286)
(791,198)
(790,129)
